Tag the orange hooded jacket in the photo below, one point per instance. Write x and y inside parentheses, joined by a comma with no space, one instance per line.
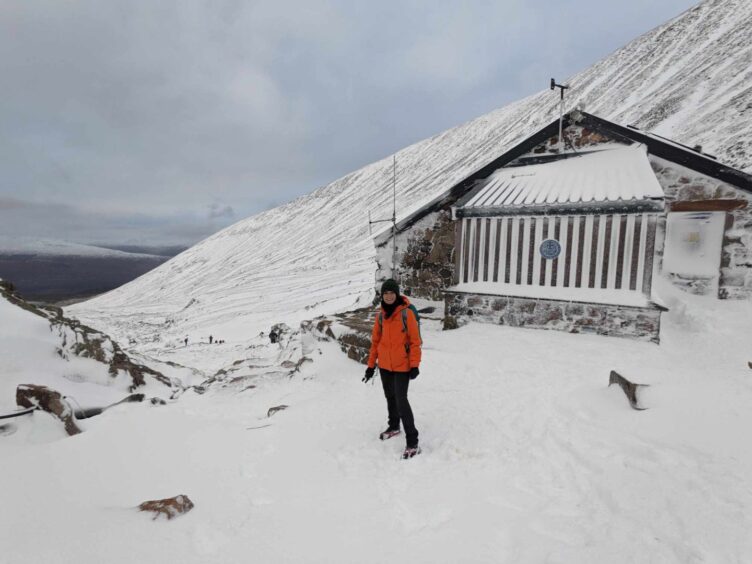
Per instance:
(389,343)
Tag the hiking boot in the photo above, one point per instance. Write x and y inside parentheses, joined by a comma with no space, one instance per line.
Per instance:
(410,452)
(388,434)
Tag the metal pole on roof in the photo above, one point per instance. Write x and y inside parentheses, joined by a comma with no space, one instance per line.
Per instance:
(562,88)
(394,217)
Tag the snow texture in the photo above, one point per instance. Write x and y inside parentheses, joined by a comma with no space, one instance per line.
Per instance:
(528,457)
(600,176)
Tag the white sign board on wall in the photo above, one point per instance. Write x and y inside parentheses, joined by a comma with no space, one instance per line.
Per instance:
(693,243)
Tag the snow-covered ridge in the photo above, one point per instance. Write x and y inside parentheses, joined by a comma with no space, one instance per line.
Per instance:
(52,247)
(689,79)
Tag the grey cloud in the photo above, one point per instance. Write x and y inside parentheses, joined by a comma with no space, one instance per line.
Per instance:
(220,211)
(62,221)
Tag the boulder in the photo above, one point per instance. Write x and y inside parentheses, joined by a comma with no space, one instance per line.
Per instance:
(42,397)
(170,507)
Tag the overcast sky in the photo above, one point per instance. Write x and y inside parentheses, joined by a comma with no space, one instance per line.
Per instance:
(160,122)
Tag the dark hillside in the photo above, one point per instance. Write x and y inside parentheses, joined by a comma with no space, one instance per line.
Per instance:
(52,279)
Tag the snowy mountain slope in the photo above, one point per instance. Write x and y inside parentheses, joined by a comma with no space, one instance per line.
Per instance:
(528,457)
(689,79)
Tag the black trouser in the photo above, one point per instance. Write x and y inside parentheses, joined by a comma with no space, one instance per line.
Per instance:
(395,389)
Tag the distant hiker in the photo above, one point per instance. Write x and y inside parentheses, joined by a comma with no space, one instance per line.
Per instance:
(210,339)
(273,336)
(186,341)
(396,345)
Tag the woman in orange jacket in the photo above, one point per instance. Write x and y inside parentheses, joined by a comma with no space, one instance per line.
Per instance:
(396,346)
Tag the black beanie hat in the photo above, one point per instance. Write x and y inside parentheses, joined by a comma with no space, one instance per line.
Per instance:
(390,286)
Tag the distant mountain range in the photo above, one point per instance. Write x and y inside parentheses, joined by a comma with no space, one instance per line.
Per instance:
(53,271)
(26,246)
(689,79)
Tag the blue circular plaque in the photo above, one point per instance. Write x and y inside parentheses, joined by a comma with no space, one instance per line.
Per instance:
(550,249)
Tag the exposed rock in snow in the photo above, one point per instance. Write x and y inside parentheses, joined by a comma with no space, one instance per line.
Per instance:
(275,409)
(170,507)
(630,388)
(48,400)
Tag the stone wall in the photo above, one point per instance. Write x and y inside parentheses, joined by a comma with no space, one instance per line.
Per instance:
(425,257)
(574,136)
(572,317)
(682,184)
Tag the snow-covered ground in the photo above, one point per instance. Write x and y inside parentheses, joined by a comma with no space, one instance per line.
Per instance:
(528,456)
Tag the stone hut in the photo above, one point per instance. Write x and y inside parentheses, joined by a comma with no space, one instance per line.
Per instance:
(569,235)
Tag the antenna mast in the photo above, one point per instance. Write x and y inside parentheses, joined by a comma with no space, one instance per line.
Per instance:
(393,219)
(562,88)
(394,215)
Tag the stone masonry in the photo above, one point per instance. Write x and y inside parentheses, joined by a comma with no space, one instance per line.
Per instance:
(572,317)
(425,255)
(574,136)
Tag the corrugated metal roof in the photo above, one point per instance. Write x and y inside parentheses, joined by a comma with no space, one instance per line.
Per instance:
(609,175)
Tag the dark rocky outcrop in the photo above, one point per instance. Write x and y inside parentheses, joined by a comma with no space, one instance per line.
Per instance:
(355,340)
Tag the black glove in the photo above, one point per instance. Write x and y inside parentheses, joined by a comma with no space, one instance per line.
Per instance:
(369,374)
(414,373)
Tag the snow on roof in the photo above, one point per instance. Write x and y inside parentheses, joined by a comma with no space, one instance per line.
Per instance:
(610,175)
